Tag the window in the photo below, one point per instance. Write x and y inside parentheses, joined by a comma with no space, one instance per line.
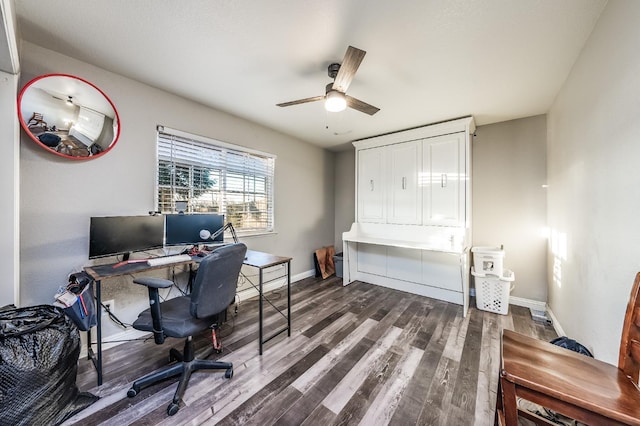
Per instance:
(215,177)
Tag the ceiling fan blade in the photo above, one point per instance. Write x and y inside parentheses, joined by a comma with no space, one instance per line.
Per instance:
(361,106)
(348,68)
(301,101)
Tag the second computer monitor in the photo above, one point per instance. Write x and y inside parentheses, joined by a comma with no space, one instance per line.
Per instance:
(193,228)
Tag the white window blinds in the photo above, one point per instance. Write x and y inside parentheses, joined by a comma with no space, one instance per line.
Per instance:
(215,177)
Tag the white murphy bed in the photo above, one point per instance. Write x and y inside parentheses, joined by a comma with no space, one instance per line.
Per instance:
(413,212)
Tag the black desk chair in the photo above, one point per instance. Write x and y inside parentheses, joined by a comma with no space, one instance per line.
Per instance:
(213,291)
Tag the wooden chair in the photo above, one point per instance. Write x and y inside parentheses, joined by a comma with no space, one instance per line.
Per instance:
(36,120)
(580,387)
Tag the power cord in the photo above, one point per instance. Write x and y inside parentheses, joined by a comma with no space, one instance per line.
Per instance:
(113,316)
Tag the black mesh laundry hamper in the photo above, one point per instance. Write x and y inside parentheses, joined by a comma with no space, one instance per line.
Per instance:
(39,350)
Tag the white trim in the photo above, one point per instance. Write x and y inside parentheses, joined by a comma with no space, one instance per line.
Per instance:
(115,339)
(528,303)
(274,285)
(9,28)
(556,324)
(465,124)
(301,276)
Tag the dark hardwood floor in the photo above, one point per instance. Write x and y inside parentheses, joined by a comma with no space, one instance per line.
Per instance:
(360,354)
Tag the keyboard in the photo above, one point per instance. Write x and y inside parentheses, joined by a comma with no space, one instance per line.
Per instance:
(168,260)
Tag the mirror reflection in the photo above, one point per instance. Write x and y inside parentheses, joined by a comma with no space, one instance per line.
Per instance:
(68,116)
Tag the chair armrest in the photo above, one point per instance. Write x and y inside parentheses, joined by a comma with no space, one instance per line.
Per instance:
(153,282)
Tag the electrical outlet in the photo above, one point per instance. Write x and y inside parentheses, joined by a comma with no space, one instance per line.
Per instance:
(109,304)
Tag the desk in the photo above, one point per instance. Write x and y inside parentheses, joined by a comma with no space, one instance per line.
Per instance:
(99,273)
(262,261)
(255,259)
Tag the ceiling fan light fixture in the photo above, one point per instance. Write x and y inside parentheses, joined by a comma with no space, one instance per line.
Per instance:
(335,101)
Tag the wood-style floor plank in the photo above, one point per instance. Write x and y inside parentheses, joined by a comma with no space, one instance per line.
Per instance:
(360,354)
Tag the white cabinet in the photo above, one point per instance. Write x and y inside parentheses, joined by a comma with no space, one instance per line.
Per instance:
(371,184)
(413,210)
(444,180)
(404,194)
(388,187)
(420,182)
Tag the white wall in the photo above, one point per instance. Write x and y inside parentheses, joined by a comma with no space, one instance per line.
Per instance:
(59,196)
(9,165)
(593,203)
(9,190)
(509,202)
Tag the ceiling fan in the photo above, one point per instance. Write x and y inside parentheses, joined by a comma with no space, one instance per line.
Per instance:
(335,97)
(68,100)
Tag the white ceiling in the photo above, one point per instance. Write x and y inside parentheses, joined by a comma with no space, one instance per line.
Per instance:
(427,60)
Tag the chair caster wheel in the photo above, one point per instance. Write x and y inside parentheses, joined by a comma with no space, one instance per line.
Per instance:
(229,373)
(172,408)
(131,393)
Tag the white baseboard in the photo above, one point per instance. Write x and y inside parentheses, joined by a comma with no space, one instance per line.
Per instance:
(556,324)
(307,274)
(114,340)
(520,301)
(528,303)
(274,285)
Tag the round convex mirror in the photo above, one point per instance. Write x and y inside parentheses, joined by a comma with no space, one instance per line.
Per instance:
(68,116)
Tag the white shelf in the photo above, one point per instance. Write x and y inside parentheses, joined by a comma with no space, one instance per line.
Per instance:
(435,238)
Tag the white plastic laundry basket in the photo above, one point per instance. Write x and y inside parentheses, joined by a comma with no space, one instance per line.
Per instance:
(492,292)
(488,260)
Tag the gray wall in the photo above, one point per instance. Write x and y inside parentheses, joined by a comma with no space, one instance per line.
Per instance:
(58,196)
(345,199)
(509,202)
(593,151)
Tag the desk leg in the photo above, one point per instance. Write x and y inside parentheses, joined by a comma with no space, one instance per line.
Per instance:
(289,298)
(99,331)
(96,358)
(260,295)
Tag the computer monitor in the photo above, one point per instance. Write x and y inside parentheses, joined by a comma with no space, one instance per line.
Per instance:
(192,228)
(114,235)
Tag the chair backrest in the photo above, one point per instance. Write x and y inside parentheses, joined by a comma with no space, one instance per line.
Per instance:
(629,360)
(215,285)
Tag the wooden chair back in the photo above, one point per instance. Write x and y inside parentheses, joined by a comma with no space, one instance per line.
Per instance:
(629,360)
(36,119)
(583,388)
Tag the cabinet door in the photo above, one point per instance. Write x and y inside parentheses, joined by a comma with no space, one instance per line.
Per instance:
(404,264)
(445,180)
(372,259)
(371,185)
(441,270)
(404,194)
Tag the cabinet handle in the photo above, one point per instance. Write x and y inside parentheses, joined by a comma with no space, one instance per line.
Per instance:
(404,183)
(371,184)
(443,180)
